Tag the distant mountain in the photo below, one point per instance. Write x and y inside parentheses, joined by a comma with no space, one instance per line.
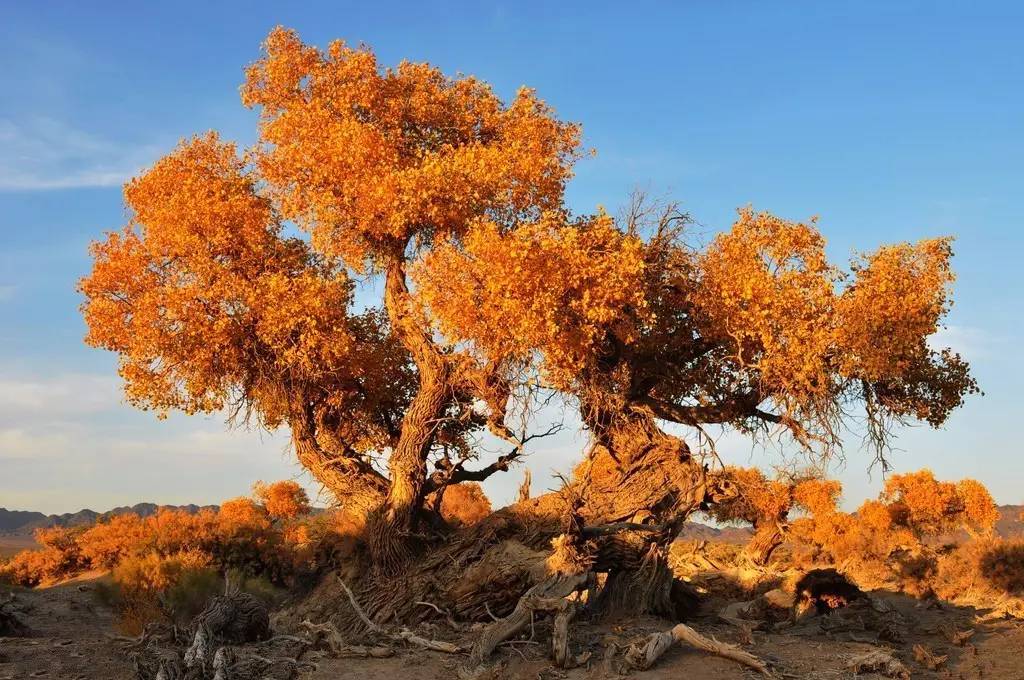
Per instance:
(1011,521)
(12,520)
(23,523)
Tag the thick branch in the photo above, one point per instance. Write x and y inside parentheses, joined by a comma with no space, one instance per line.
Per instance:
(723,412)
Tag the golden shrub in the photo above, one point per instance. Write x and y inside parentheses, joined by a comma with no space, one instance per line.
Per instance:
(465,504)
(283,500)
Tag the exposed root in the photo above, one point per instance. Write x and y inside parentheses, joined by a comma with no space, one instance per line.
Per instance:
(405,634)
(642,657)
(455,625)
(327,634)
(546,596)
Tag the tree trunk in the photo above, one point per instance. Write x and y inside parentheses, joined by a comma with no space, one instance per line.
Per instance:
(391,525)
(357,487)
(763,543)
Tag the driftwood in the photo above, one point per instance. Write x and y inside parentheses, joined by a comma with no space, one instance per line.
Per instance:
(643,656)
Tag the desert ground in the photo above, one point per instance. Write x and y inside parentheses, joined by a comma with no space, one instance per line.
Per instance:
(73,634)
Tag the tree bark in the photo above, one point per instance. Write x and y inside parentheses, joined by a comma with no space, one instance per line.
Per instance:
(392,523)
(763,543)
(354,483)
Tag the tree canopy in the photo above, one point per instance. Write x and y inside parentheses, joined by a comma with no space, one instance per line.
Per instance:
(454,198)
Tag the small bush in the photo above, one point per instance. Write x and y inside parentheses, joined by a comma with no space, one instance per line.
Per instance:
(465,504)
(1002,565)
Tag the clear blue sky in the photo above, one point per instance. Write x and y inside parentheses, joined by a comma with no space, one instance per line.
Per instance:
(891,121)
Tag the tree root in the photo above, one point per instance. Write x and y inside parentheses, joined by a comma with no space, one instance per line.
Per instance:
(546,595)
(405,634)
(643,656)
(329,635)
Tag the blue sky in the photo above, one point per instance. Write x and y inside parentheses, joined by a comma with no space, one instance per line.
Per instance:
(891,121)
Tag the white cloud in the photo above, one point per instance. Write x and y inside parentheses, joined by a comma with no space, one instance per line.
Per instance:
(974,344)
(61,396)
(43,154)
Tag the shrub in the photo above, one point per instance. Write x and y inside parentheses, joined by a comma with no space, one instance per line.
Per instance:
(465,504)
(282,500)
(152,587)
(1002,565)
(106,543)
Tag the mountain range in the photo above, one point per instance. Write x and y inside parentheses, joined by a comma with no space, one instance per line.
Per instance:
(24,522)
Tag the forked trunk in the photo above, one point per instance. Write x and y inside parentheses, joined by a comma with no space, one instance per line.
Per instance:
(347,475)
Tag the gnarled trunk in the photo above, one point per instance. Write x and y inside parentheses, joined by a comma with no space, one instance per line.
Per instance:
(767,537)
(354,483)
(391,524)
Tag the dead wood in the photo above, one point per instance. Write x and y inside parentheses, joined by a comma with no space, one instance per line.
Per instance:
(234,618)
(325,634)
(955,636)
(524,488)
(546,595)
(879,661)
(404,634)
(932,662)
(643,656)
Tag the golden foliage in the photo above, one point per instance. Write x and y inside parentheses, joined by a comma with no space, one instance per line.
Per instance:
(927,506)
(757,500)
(758,328)
(366,157)
(208,305)
(272,538)
(464,504)
(285,499)
(549,285)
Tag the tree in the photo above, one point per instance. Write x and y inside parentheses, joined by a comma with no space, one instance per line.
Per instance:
(491,290)
(758,332)
(929,507)
(766,503)
(283,500)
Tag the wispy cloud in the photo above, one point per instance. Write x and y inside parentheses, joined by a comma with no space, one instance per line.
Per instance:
(44,154)
(67,395)
(974,344)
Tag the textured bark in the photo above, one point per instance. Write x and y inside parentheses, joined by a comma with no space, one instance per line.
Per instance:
(391,526)
(763,543)
(351,480)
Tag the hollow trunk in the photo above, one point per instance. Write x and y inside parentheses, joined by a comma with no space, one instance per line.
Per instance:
(767,537)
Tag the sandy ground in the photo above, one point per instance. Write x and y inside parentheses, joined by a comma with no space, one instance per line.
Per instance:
(72,640)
